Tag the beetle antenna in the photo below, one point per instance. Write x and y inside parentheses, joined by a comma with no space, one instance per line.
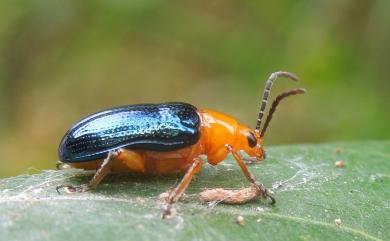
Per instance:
(267,90)
(275,104)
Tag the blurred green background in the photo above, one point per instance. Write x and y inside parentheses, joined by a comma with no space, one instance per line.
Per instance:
(62,60)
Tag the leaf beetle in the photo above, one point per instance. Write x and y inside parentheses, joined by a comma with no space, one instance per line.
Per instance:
(165,138)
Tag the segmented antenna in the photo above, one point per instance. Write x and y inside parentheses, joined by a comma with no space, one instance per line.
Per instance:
(267,90)
(276,102)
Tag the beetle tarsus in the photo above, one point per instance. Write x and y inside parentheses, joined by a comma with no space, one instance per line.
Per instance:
(251,160)
(167,212)
(73,189)
(61,166)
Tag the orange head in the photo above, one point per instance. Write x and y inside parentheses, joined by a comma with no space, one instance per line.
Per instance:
(250,142)
(219,129)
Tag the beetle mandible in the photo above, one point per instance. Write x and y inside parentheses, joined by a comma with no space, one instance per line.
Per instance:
(165,138)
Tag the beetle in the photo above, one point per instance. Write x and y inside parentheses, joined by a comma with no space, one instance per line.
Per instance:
(165,138)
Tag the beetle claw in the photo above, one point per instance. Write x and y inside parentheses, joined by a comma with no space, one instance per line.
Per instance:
(270,197)
(167,213)
(264,193)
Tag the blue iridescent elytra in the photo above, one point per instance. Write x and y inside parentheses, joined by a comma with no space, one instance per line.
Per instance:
(156,127)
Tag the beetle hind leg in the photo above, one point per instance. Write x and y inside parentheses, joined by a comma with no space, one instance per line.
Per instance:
(104,169)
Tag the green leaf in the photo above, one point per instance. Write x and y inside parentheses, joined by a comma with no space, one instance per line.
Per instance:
(310,191)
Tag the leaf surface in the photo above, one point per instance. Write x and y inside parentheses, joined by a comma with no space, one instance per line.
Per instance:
(310,191)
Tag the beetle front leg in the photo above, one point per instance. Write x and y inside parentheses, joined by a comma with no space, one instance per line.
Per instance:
(176,193)
(104,169)
(260,187)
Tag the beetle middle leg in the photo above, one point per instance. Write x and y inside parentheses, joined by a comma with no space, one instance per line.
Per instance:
(260,187)
(104,169)
(176,193)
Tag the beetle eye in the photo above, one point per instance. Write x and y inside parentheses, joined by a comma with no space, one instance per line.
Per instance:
(251,139)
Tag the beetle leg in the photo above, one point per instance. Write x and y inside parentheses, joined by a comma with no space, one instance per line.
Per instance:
(104,169)
(260,187)
(61,165)
(176,193)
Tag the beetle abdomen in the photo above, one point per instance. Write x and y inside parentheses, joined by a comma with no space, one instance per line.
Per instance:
(157,127)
